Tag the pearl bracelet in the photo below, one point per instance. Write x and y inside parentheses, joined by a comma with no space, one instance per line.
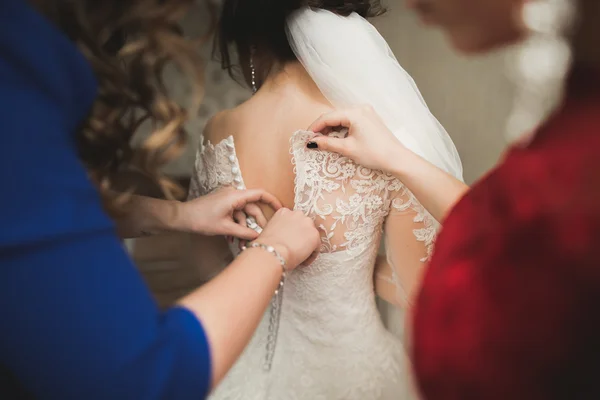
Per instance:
(269,249)
(276,305)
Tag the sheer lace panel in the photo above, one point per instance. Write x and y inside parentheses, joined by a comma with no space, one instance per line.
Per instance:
(405,256)
(350,203)
(405,205)
(347,201)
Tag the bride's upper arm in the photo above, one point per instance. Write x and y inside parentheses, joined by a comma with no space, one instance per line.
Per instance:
(205,256)
(409,237)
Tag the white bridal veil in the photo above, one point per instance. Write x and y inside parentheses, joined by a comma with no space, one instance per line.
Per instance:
(352,64)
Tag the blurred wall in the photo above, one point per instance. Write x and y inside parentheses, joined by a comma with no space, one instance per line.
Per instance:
(470,96)
(221,92)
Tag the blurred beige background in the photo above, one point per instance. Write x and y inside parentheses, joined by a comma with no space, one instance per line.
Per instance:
(470,96)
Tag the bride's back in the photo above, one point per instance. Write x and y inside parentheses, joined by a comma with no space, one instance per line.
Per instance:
(288,99)
(261,127)
(329,331)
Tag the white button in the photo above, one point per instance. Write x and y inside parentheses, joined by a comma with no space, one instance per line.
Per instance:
(237,179)
(235,170)
(232,158)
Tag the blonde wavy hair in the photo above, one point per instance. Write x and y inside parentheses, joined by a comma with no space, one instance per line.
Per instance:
(128,44)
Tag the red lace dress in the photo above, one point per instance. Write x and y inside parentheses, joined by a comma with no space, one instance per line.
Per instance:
(510,305)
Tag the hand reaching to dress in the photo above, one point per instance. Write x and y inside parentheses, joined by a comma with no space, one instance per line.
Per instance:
(370,143)
(220,213)
(293,235)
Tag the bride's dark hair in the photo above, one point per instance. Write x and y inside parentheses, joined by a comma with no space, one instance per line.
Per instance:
(260,25)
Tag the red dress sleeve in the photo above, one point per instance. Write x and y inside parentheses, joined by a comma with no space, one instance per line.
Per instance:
(509,305)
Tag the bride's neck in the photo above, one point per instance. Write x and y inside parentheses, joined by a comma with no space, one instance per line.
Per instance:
(291,76)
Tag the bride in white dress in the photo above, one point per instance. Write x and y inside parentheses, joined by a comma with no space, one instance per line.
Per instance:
(322,337)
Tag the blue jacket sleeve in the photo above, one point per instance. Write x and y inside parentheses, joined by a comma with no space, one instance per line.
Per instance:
(76,319)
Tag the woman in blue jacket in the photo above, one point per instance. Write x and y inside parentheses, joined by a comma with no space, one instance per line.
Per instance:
(76,320)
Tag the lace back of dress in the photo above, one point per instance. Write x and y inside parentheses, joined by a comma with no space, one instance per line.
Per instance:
(351,205)
(348,202)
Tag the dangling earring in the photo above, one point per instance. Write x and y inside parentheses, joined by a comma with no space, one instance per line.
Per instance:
(541,64)
(253,70)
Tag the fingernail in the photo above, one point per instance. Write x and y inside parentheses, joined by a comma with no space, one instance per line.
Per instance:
(312,145)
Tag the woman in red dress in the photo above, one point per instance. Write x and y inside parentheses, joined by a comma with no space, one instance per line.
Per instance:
(509,304)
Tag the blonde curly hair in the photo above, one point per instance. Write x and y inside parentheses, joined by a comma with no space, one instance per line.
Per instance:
(128,44)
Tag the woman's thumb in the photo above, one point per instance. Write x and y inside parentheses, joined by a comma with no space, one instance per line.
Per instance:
(328,143)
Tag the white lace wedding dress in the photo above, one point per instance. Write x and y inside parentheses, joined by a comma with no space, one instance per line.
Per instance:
(331,343)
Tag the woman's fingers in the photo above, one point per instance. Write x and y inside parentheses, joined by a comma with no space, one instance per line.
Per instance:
(240,218)
(255,212)
(239,231)
(327,143)
(331,120)
(256,196)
